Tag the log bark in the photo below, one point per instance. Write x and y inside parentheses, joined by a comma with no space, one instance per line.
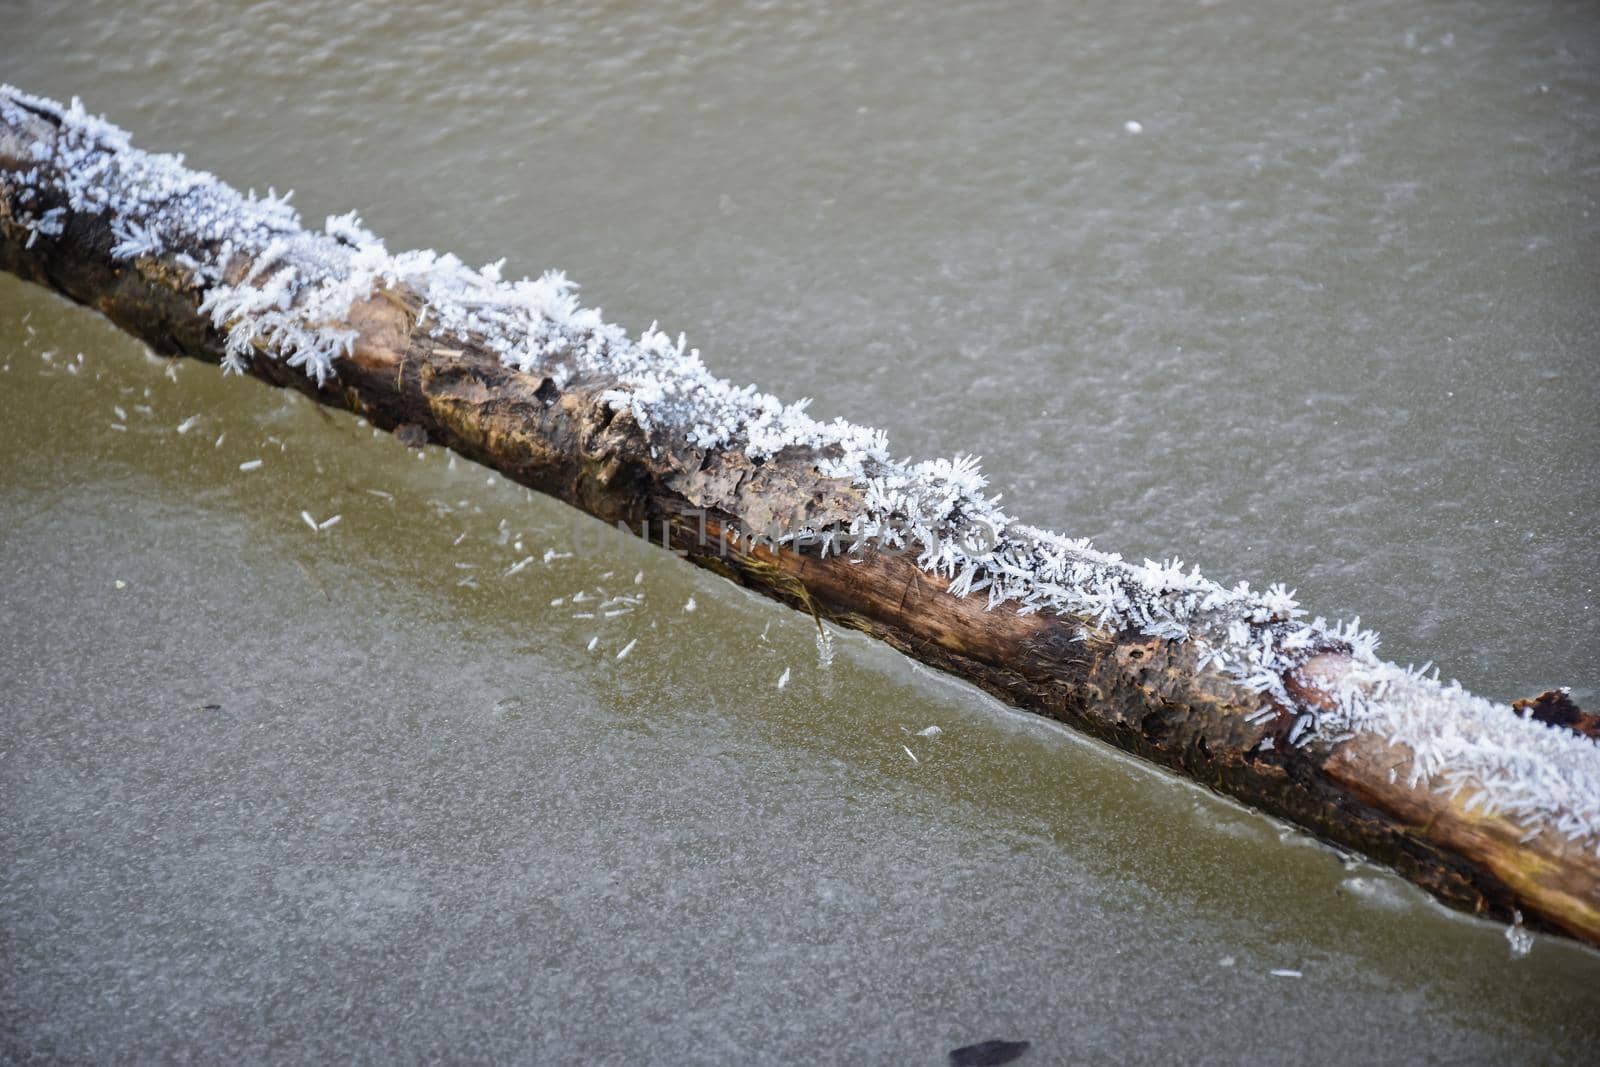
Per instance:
(565,437)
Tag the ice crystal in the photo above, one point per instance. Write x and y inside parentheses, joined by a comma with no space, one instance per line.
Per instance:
(1520,940)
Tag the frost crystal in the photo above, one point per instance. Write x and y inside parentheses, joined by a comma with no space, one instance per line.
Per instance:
(279,291)
(1520,940)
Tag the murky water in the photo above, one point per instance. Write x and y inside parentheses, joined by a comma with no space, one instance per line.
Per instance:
(1328,315)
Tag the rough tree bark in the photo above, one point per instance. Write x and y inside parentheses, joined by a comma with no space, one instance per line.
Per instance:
(1142,694)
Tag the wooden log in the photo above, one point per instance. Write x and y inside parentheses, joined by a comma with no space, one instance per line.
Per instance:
(1493,811)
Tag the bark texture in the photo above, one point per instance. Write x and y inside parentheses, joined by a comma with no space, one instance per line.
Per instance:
(1144,695)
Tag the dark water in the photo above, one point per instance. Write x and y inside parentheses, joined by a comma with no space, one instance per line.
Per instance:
(1328,316)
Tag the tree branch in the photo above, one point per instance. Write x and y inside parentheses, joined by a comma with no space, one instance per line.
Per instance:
(1490,810)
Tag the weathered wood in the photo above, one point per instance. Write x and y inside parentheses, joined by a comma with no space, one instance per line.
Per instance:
(560,435)
(1557,708)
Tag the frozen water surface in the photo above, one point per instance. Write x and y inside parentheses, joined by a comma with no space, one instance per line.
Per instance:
(293,794)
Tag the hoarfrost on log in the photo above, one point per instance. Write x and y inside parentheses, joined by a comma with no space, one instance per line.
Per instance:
(279,291)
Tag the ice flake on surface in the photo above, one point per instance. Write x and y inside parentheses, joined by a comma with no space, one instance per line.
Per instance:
(1520,940)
